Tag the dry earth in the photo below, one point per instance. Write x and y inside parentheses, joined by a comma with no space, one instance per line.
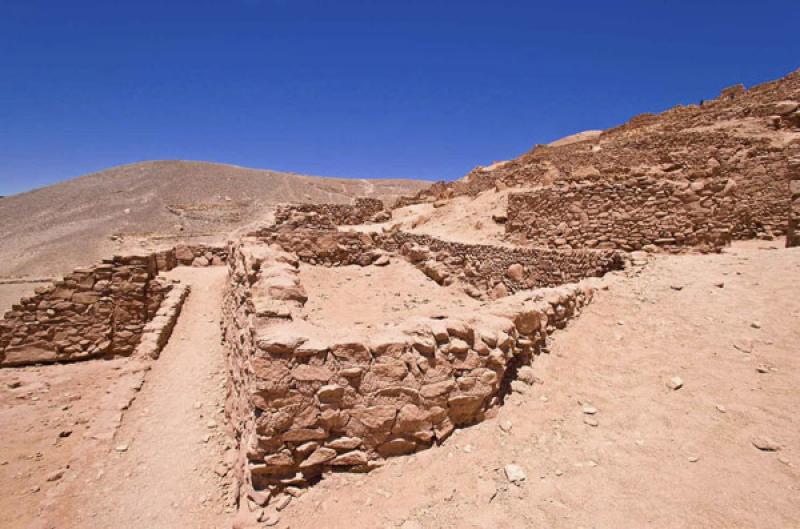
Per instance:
(656,457)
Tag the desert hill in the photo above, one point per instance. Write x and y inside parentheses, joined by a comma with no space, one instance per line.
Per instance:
(56,228)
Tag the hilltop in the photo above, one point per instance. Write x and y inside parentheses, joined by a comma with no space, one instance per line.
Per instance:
(56,228)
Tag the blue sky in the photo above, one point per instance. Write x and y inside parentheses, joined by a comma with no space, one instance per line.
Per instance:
(414,89)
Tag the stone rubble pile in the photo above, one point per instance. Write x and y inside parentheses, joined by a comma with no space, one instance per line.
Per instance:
(304,403)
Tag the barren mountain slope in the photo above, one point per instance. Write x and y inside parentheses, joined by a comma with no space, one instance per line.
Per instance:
(56,228)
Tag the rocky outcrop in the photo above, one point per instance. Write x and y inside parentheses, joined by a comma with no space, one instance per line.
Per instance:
(303,404)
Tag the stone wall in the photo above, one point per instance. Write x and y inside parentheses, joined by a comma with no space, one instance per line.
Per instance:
(627,215)
(102,310)
(303,404)
(486,269)
(328,216)
(793,232)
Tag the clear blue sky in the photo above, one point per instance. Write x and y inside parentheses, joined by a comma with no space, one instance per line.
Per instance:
(416,89)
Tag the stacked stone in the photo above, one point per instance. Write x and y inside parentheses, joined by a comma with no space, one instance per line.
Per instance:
(793,233)
(157,331)
(97,311)
(484,267)
(200,255)
(628,215)
(92,312)
(328,216)
(304,404)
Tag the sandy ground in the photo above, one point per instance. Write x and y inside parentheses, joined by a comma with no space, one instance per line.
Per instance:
(653,456)
(658,457)
(356,298)
(156,462)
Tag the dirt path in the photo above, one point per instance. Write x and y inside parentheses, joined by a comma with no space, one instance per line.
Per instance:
(162,469)
(657,457)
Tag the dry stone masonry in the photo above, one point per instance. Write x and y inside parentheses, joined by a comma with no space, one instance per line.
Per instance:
(486,269)
(101,311)
(305,401)
(328,216)
(627,215)
(793,233)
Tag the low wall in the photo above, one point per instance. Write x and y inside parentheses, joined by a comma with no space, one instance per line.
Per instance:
(485,268)
(303,404)
(328,216)
(102,310)
(793,232)
(626,215)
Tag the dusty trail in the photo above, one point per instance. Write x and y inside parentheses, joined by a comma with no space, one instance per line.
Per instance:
(161,469)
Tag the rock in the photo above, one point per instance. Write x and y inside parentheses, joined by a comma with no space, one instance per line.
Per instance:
(506,426)
(588,409)
(122,448)
(762,368)
(515,474)
(516,272)
(55,476)
(330,393)
(675,383)
(721,408)
(343,444)
(383,260)
(519,387)
(269,520)
(591,421)
(720,284)
(782,108)
(356,457)
(693,459)
(499,291)
(283,502)
(676,286)
(766,444)
(525,374)
(320,455)
(755,324)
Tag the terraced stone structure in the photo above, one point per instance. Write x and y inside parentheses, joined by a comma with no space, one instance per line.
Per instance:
(627,215)
(305,399)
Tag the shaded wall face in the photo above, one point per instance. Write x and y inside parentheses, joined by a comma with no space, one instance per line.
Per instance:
(793,231)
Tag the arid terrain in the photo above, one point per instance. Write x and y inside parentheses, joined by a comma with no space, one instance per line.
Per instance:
(54,229)
(601,333)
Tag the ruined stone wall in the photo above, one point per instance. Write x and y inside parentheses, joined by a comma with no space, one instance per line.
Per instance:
(327,216)
(485,268)
(626,215)
(102,310)
(793,232)
(303,404)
